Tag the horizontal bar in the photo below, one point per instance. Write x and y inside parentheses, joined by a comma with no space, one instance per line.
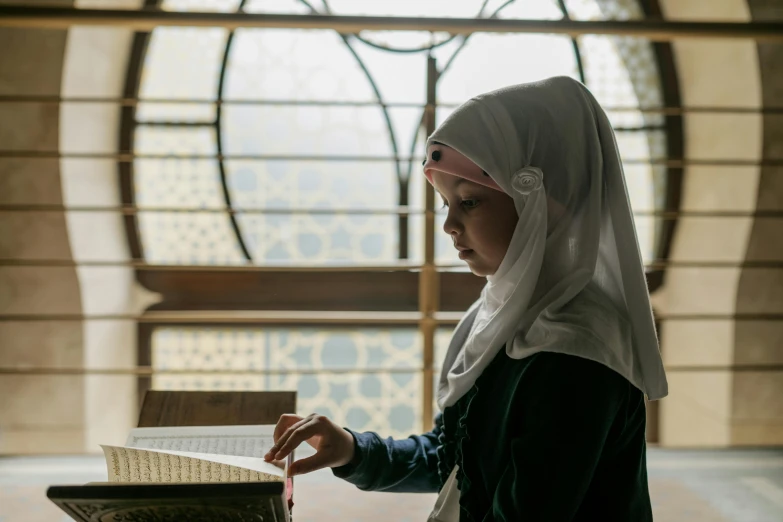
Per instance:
(129,102)
(143,265)
(282,317)
(151,371)
(128,157)
(719,317)
(401,211)
(401,267)
(250,318)
(124,157)
(727,368)
(131,210)
(188,124)
(178,124)
(147,20)
(243,319)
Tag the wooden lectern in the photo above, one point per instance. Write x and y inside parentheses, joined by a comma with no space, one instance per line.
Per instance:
(186,408)
(230,502)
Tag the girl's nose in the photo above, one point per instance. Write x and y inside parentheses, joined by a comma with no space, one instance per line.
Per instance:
(452,225)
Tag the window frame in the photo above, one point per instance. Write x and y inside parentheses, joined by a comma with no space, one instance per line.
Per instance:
(425,289)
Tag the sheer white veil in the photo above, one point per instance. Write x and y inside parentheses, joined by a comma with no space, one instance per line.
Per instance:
(572,280)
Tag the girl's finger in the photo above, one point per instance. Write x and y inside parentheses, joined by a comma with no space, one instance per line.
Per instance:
(278,463)
(286,421)
(300,434)
(283,438)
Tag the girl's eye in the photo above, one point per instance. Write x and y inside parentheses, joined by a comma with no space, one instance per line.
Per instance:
(469,203)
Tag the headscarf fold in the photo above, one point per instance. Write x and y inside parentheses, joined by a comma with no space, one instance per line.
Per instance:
(572,280)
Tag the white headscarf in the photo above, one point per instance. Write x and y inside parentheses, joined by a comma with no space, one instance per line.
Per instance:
(572,280)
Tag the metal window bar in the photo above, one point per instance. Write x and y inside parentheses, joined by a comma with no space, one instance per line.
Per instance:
(130,157)
(440,318)
(656,264)
(207,124)
(149,371)
(429,281)
(123,101)
(127,138)
(134,209)
(147,20)
(250,317)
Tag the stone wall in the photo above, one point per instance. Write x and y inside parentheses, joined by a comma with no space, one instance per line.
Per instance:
(58,317)
(724,390)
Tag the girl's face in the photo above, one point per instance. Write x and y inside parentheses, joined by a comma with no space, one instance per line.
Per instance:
(480,221)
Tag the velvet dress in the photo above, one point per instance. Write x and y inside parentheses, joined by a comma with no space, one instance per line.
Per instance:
(549,438)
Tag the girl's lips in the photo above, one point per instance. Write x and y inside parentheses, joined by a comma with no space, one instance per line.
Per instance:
(464,254)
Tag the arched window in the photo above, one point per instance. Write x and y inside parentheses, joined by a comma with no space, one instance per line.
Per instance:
(262,152)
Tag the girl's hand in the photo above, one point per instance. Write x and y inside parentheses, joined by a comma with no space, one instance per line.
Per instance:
(333,445)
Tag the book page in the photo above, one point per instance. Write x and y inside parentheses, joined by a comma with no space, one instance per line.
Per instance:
(133,465)
(244,441)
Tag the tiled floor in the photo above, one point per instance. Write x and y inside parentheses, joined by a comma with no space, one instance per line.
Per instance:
(686,486)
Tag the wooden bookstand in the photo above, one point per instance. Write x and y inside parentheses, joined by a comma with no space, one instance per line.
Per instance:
(239,502)
(186,408)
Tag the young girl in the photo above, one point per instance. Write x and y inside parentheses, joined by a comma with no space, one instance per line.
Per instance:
(543,385)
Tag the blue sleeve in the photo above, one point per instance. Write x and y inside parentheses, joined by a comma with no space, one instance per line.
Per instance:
(402,466)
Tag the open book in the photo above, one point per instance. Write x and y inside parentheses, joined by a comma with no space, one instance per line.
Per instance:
(214,473)
(200,454)
(195,454)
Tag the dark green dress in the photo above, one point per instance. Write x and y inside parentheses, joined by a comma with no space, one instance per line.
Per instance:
(548,438)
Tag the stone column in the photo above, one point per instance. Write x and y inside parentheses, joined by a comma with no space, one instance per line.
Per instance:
(36,409)
(54,317)
(757,406)
(714,400)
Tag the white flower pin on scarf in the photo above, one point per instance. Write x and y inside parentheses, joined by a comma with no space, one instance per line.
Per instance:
(527,179)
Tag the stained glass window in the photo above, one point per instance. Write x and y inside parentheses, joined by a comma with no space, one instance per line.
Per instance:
(364,378)
(278,147)
(305,118)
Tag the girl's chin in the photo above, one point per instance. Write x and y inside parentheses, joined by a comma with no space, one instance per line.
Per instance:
(478,268)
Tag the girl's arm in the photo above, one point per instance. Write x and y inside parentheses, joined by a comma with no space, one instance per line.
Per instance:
(571,407)
(405,466)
